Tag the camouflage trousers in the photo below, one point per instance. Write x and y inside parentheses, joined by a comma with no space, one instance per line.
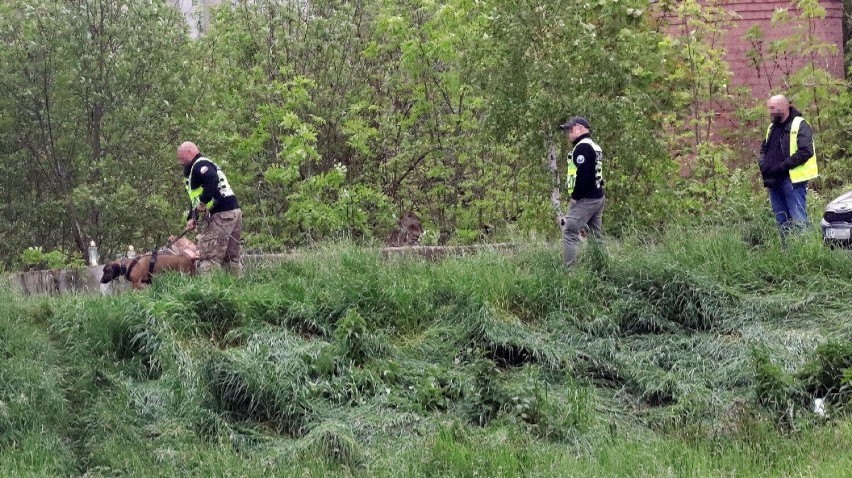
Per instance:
(218,242)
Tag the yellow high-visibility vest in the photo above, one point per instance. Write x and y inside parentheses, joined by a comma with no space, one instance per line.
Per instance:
(806,171)
(195,194)
(571,172)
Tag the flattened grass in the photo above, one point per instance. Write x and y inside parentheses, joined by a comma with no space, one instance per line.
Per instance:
(699,351)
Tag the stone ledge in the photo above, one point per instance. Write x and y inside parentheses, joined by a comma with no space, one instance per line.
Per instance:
(86,280)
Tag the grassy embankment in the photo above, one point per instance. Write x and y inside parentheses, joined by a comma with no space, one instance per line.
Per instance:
(693,355)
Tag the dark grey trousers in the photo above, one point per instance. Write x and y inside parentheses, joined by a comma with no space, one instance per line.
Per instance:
(585,212)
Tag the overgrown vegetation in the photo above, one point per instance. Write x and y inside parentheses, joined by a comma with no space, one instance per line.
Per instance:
(697,352)
(695,349)
(333,119)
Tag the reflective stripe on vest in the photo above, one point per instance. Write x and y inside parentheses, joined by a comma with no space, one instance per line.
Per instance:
(195,194)
(571,172)
(806,171)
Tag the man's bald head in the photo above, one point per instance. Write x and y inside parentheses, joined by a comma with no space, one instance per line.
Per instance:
(186,152)
(779,108)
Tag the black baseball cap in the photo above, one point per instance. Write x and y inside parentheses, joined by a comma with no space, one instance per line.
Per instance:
(576,120)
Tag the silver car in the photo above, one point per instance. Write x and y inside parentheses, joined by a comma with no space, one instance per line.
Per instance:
(837,221)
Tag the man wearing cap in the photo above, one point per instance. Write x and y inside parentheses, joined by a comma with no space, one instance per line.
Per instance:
(585,183)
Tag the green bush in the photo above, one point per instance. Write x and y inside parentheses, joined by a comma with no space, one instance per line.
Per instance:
(33,259)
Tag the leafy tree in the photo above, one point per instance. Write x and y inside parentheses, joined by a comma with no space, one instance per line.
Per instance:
(551,60)
(262,124)
(91,90)
(334,118)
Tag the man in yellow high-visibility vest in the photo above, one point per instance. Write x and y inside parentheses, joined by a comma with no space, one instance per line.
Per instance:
(214,210)
(787,162)
(584,180)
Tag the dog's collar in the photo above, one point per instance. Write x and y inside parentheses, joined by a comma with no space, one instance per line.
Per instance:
(127,270)
(153,261)
(122,268)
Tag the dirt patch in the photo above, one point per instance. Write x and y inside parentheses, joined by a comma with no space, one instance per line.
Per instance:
(408,230)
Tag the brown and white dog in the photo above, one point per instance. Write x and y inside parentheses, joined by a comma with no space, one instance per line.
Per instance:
(137,270)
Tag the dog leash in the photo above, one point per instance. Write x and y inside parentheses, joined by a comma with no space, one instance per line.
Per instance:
(207,219)
(173,241)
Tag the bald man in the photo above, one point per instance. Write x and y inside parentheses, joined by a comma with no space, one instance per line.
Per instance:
(215,211)
(787,163)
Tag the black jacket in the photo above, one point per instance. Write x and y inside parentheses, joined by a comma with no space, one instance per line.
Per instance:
(211,186)
(589,184)
(775,159)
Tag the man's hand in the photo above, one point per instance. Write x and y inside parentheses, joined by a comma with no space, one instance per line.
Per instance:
(190,225)
(201,208)
(776,170)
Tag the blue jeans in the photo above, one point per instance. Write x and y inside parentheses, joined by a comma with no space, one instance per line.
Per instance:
(788,203)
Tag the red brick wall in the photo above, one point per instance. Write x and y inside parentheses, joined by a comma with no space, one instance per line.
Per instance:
(759,12)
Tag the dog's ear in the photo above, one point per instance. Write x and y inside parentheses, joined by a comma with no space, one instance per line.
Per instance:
(105,274)
(111,272)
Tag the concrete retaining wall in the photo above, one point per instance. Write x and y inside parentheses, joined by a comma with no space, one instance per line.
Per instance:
(86,280)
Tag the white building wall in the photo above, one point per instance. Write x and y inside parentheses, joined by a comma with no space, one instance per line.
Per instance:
(197,14)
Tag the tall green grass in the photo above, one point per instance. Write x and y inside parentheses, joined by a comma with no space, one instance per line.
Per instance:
(693,353)
(33,407)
